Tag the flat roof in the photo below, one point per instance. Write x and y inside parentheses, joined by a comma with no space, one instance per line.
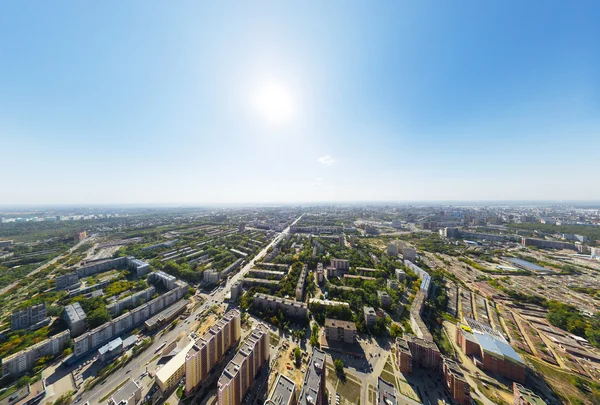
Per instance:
(335,323)
(75,312)
(312,378)
(282,392)
(125,392)
(495,346)
(174,364)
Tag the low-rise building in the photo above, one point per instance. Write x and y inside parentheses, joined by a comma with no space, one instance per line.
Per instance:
(109,351)
(524,396)
(341,331)
(128,394)
(169,375)
(283,392)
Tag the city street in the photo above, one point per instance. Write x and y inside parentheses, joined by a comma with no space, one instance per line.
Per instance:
(148,359)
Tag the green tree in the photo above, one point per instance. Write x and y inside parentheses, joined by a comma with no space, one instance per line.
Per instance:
(339,366)
(297,355)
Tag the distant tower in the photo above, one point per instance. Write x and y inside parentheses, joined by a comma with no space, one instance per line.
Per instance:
(241,227)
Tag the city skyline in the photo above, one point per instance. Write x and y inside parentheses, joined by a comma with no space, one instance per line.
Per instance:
(140,103)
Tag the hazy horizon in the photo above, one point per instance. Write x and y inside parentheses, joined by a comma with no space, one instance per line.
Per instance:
(193,104)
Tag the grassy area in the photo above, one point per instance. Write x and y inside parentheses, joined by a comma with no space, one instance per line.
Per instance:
(388,377)
(388,366)
(349,390)
(562,382)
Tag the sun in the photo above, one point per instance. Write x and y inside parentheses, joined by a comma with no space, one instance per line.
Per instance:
(275,103)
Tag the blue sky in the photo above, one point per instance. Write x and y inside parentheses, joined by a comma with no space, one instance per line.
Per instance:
(156,102)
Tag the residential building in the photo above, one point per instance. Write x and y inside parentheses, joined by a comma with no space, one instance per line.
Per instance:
(449,233)
(404,356)
(392,284)
(301,283)
(341,331)
(386,393)
(67,281)
(239,374)
(236,290)
(210,348)
(128,394)
(169,375)
(370,316)
(417,352)
(313,387)
(320,273)
(392,249)
(283,392)
(384,299)
(328,303)
(524,396)
(409,254)
(33,316)
(366,271)
(24,360)
(117,307)
(289,308)
(400,274)
(456,383)
(547,244)
(211,276)
(241,227)
(161,278)
(76,319)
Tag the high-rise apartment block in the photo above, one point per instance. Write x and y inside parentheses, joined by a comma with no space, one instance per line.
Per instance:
(239,374)
(313,387)
(33,316)
(209,349)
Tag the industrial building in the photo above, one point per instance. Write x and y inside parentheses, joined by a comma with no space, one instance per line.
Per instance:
(239,374)
(209,349)
(341,331)
(313,387)
(489,350)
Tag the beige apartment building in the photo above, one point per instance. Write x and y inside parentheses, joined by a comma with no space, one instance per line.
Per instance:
(238,376)
(209,349)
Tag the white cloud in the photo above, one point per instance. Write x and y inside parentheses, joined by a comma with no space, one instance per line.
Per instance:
(326,160)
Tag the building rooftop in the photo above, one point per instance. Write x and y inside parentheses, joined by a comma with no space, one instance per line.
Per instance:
(110,346)
(453,367)
(386,393)
(75,312)
(369,311)
(328,302)
(334,323)
(174,364)
(312,379)
(125,392)
(496,346)
(282,392)
(421,342)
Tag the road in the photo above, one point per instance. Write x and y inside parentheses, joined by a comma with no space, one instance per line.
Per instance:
(43,266)
(138,364)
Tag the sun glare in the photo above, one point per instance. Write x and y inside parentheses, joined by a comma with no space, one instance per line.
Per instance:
(274,103)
